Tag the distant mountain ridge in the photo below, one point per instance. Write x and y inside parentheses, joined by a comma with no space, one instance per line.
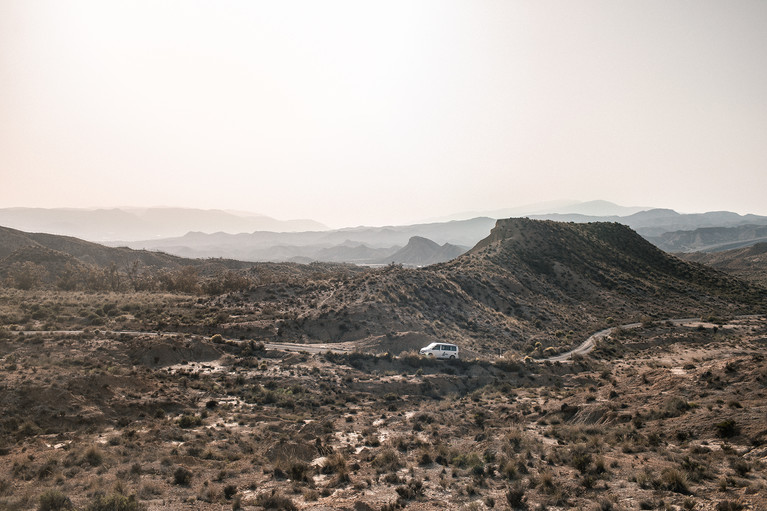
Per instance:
(598,208)
(117,224)
(245,237)
(423,252)
(341,245)
(654,222)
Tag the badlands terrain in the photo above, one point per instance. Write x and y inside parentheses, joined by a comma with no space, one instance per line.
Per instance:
(137,380)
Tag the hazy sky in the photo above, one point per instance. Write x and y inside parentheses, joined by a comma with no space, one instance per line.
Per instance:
(383,112)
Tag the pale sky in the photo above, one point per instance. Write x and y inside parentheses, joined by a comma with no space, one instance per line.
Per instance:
(383,112)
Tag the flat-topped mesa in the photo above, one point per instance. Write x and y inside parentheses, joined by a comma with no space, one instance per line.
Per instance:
(540,235)
(514,229)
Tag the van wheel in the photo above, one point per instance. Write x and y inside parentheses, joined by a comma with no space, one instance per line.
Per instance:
(452,356)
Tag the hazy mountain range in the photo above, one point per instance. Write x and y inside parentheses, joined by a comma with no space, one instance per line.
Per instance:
(655,222)
(143,223)
(196,233)
(361,245)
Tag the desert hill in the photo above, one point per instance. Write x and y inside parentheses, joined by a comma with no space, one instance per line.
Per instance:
(83,251)
(421,251)
(528,281)
(665,228)
(71,263)
(748,263)
(711,239)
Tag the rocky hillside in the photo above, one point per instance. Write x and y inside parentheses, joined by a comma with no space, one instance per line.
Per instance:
(85,252)
(748,263)
(528,286)
(529,281)
(30,260)
(711,239)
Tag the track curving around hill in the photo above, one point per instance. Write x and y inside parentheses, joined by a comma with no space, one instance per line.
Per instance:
(589,344)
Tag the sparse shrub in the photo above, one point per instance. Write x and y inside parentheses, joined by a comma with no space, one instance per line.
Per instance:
(54,500)
(424,458)
(182,476)
(189,421)
(508,469)
(47,469)
(729,505)
(675,406)
(726,428)
(580,459)
(410,491)
(467,460)
(674,480)
(149,490)
(334,464)
(515,497)
(229,491)
(115,502)
(295,470)
(275,502)
(386,461)
(695,470)
(93,457)
(546,480)
(311,495)
(605,505)
(207,493)
(741,467)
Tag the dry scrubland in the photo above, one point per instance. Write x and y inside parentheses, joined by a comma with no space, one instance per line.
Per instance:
(659,417)
(153,387)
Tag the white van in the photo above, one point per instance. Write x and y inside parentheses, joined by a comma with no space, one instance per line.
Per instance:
(440,350)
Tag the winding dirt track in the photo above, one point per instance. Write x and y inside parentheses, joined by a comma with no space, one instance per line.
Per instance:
(589,344)
(584,348)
